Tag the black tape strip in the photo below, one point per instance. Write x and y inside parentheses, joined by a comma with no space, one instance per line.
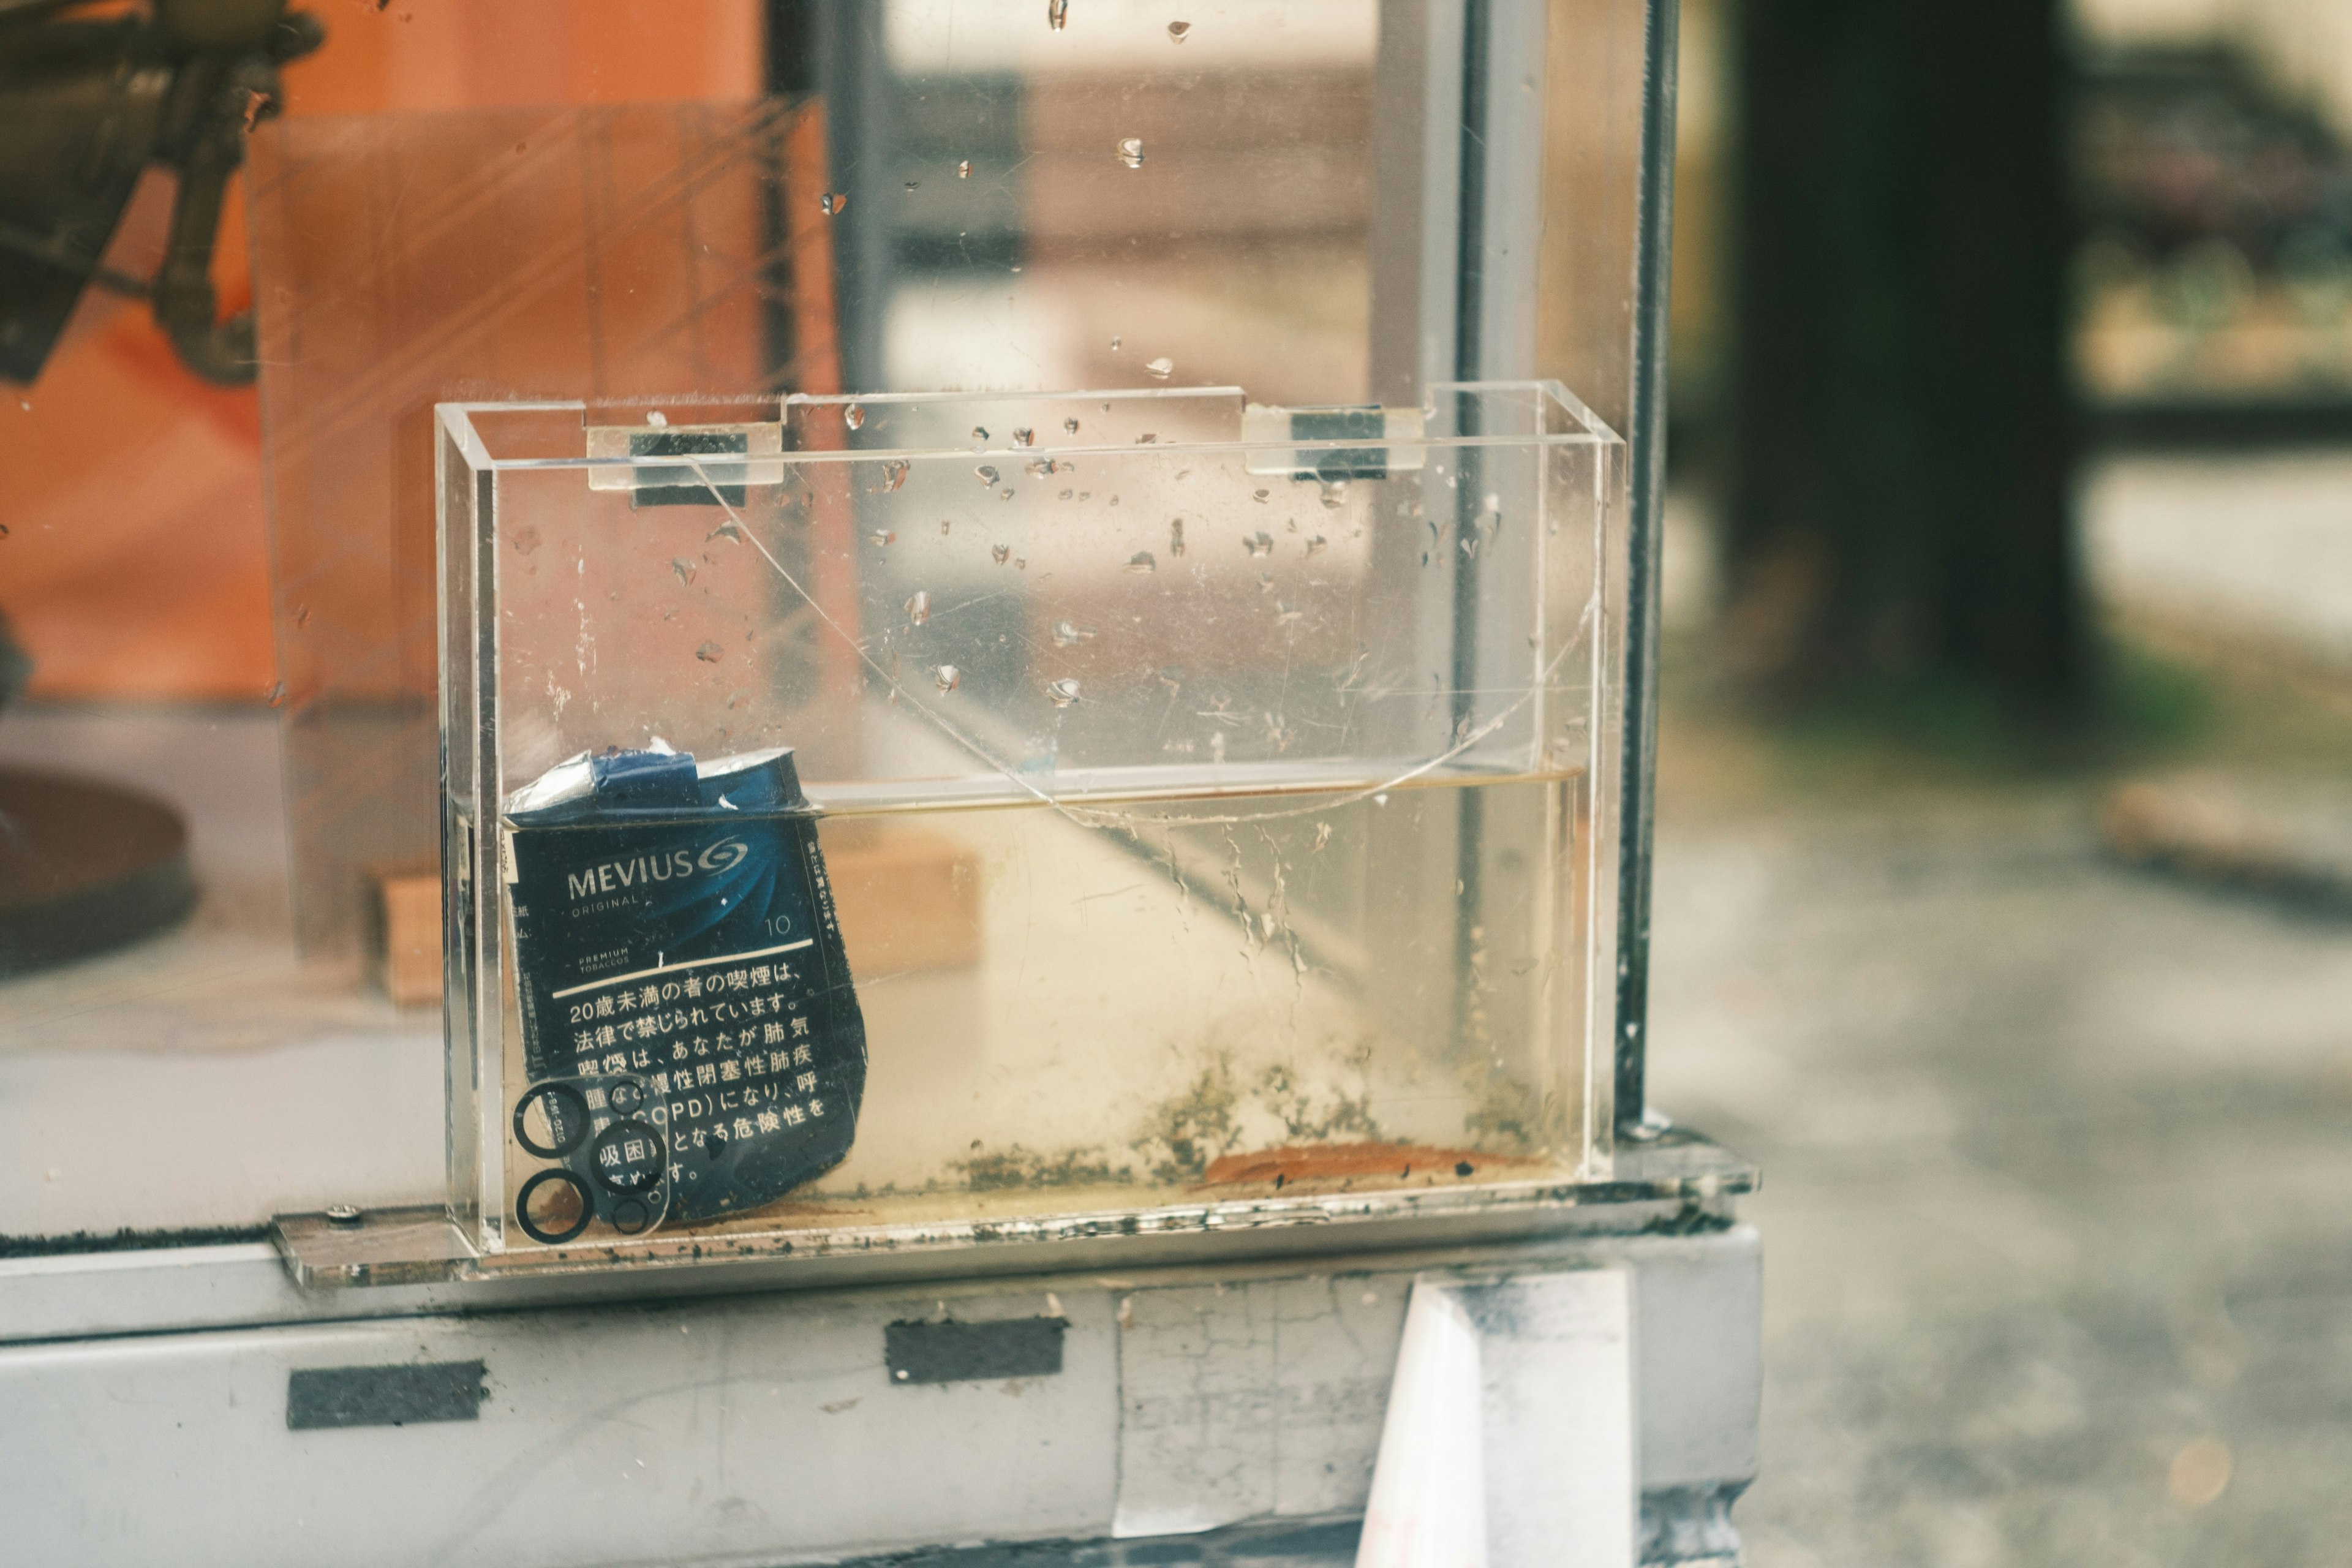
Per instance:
(972,1353)
(693,489)
(384,1396)
(1339,425)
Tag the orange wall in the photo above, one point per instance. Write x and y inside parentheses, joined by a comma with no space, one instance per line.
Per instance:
(135,561)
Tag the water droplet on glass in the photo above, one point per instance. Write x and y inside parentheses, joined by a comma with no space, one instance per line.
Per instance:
(1040,467)
(301,612)
(1160,369)
(1064,692)
(685,569)
(1071,425)
(945,524)
(1178,31)
(894,474)
(1316,546)
(526,540)
(1000,554)
(1381,799)
(980,436)
(274,693)
(1335,493)
(963,170)
(987,474)
(657,418)
(855,415)
(1142,561)
(1025,436)
(1259,496)
(1322,836)
(1147,439)
(918,608)
(1057,14)
(832,203)
(885,537)
(1020,564)
(1283,615)
(1068,634)
(1130,152)
(1216,745)
(1114,348)
(1004,494)
(1065,495)
(709,653)
(1176,536)
(1259,543)
(910,184)
(947,678)
(1265,582)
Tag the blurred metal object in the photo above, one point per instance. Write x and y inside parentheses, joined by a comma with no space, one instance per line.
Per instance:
(85,867)
(86,105)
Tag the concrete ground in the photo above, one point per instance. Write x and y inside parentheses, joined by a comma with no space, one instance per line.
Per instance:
(2059,1262)
(2057,1154)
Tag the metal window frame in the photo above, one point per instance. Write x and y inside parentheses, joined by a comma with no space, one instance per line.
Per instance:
(1646,442)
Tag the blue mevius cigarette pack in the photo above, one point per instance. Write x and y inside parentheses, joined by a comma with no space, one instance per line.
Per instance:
(676,951)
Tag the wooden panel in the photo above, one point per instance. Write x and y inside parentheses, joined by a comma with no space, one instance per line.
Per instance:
(907,899)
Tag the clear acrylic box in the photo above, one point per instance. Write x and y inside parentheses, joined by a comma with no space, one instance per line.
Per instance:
(1216,804)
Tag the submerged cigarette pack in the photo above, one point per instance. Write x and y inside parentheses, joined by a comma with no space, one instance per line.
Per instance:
(689,1029)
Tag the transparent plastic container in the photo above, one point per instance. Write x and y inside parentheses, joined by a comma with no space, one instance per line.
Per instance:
(1217,803)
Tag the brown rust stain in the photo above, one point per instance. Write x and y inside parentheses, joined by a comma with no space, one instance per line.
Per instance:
(1281,1168)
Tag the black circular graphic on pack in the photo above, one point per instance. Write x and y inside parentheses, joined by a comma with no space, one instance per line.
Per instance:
(627,1157)
(626,1096)
(630,1216)
(569,1130)
(530,1188)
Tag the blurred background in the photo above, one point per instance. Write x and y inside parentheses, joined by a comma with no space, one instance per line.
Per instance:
(2005,826)
(2004,869)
